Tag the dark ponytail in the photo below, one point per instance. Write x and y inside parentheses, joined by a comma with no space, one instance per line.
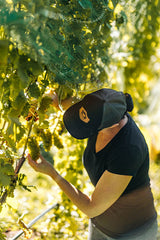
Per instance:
(129,102)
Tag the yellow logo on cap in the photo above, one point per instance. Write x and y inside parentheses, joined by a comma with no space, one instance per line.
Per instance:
(83,115)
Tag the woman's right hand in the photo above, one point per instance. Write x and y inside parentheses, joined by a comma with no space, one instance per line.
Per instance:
(63,104)
(41,165)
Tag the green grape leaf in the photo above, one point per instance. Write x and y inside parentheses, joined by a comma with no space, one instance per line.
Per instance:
(7,155)
(20,101)
(85,4)
(34,67)
(22,73)
(20,133)
(15,87)
(18,105)
(4,179)
(14,120)
(14,57)
(34,90)
(115,2)
(25,109)
(9,130)
(7,169)
(4,52)
(10,142)
(45,104)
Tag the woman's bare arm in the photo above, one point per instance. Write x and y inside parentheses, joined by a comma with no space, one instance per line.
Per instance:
(108,189)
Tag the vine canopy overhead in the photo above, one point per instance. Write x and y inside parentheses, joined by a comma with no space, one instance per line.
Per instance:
(68,38)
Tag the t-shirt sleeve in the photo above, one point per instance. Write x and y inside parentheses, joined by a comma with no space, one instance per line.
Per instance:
(127,161)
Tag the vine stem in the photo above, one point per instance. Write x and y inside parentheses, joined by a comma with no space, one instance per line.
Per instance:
(3,198)
(22,159)
(4,124)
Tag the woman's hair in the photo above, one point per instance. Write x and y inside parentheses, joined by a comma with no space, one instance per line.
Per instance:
(129,102)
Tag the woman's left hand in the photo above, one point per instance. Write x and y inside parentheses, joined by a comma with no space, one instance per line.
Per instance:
(41,165)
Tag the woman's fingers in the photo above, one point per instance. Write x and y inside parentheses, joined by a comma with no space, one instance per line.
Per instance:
(31,161)
(42,158)
(29,158)
(41,165)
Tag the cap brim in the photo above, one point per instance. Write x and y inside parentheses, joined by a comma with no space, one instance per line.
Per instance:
(77,128)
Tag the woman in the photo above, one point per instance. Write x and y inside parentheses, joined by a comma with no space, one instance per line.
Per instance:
(117,161)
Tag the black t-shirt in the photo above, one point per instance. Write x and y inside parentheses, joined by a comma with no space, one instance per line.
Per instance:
(126,154)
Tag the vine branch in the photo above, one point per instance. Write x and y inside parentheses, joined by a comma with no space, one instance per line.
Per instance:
(22,159)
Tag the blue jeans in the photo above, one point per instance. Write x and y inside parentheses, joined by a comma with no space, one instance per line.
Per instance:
(147,232)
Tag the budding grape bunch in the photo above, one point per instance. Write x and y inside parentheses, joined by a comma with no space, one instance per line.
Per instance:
(46,136)
(33,148)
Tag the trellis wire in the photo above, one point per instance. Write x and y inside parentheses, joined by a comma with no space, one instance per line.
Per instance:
(35,220)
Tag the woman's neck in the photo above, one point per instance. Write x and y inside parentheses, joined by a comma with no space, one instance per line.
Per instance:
(107,134)
(114,128)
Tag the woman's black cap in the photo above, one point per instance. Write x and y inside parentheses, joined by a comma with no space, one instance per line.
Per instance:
(97,110)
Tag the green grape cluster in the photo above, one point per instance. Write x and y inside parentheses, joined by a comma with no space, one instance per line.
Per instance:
(57,141)
(60,128)
(46,136)
(34,90)
(45,103)
(25,110)
(37,130)
(33,147)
